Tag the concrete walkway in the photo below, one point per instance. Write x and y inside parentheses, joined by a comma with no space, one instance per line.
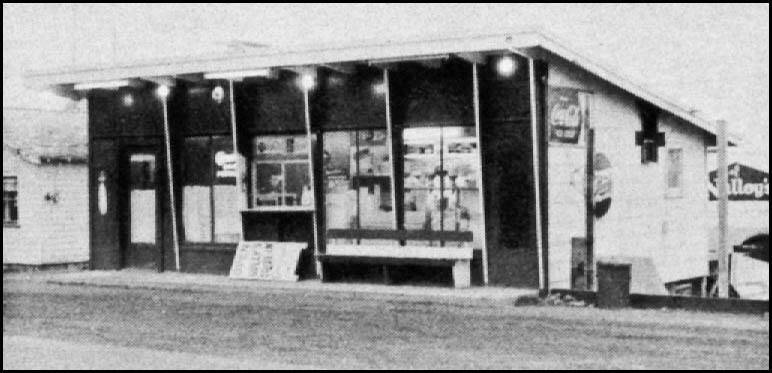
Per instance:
(132,278)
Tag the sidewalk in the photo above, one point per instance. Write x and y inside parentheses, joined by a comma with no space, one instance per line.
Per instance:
(141,279)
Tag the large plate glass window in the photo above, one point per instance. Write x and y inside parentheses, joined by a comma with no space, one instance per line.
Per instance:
(209,191)
(357,180)
(441,180)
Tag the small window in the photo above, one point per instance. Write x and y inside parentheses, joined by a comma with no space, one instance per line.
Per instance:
(674,172)
(281,173)
(10,205)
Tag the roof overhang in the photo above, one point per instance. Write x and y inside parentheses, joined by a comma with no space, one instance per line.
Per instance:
(525,43)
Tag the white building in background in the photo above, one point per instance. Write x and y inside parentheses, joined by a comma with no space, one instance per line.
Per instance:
(45,188)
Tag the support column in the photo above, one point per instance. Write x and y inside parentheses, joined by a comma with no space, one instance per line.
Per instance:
(239,161)
(307,112)
(481,191)
(543,282)
(163,92)
(390,137)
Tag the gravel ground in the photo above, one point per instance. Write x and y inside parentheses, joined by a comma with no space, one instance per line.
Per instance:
(338,330)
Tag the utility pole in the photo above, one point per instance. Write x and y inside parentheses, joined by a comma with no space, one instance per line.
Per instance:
(723,213)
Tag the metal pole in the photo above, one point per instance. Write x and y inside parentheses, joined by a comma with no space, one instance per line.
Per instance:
(170,175)
(390,137)
(480,190)
(723,213)
(239,200)
(536,182)
(589,263)
(306,105)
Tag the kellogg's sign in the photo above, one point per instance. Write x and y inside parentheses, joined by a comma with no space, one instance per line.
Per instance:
(745,184)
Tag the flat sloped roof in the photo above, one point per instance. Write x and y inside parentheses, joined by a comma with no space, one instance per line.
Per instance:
(522,42)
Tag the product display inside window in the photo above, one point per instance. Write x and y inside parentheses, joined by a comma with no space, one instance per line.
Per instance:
(441,180)
(357,180)
(280,173)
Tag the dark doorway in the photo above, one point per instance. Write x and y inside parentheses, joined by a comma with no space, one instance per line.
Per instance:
(509,201)
(142,234)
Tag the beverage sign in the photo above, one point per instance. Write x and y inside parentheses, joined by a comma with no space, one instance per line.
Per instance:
(745,184)
(564,116)
(602,187)
(262,260)
(227,164)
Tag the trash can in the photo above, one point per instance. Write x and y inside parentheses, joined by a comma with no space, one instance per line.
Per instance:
(613,281)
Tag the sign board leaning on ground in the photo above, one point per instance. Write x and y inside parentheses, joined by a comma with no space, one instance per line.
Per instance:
(745,184)
(261,260)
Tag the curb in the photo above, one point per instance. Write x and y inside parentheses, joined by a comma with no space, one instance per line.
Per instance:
(353,293)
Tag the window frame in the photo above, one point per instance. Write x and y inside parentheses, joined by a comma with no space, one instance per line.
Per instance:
(674,191)
(442,154)
(210,143)
(355,173)
(253,164)
(11,223)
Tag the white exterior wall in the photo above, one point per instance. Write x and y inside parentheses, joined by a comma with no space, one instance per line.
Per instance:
(642,221)
(48,233)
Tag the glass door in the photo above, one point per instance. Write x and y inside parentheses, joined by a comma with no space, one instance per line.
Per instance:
(141,249)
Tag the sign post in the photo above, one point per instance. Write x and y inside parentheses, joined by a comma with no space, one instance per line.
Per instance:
(723,199)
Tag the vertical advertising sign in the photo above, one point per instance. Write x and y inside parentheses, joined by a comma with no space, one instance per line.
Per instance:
(565,116)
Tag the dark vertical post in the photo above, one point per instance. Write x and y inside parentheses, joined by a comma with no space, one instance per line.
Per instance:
(589,263)
(538,91)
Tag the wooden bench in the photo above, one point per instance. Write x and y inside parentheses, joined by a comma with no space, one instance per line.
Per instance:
(459,258)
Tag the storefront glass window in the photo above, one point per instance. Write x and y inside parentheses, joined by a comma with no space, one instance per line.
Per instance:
(441,180)
(226,222)
(357,180)
(209,190)
(280,172)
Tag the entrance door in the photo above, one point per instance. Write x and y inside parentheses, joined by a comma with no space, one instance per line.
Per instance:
(142,248)
(509,204)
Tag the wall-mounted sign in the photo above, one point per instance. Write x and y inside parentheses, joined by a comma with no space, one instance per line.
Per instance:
(602,187)
(226,164)
(601,198)
(262,260)
(745,184)
(565,116)
(102,193)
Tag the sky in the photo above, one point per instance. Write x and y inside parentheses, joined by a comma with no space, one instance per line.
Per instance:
(710,57)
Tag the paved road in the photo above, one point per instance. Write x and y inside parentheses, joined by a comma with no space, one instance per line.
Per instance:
(145,328)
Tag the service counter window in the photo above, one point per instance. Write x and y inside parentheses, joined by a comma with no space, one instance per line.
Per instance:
(280,173)
(357,180)
(441,191)
(209,194)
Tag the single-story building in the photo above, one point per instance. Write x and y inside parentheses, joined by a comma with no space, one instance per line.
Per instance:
(45,188)
(395,158)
